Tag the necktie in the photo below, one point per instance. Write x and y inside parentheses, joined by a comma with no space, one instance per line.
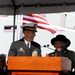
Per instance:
(28,45)
(2,69)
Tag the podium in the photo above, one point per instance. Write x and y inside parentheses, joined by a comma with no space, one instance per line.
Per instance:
(22,65)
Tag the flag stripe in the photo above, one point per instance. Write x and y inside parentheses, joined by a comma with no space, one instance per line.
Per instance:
(51,30)
(37,16)
(34,18)
(35,21)
(40,20)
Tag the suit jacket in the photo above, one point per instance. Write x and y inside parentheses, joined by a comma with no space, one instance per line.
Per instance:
(65,53)
(19,48)
(5,72)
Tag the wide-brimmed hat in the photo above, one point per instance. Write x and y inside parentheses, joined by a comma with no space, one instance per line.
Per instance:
(29,26)
(62,38)
(2,57)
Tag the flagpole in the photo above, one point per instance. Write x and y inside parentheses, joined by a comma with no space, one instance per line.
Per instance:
(14,5)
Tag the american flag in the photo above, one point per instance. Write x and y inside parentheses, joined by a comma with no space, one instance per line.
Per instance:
(40,20)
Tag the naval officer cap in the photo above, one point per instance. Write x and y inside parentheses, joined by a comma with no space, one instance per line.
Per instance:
(29,26)
(2,57)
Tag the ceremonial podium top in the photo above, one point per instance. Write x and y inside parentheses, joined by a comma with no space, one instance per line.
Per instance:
(38,63)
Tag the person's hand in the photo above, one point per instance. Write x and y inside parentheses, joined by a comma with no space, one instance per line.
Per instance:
(47,55)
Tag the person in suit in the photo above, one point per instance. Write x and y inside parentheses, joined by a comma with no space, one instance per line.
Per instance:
(26,46)
(3,65)
(61,43)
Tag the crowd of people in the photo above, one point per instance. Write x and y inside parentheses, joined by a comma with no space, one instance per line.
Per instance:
(28,47)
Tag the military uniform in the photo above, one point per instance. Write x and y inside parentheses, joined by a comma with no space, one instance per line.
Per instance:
(20,48)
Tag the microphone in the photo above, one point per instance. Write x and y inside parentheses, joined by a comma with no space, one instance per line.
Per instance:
(47,46)
(43,46)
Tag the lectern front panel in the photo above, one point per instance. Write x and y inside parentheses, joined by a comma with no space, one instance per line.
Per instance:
(34,73)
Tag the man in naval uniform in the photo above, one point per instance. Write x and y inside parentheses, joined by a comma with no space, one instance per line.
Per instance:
(26,45)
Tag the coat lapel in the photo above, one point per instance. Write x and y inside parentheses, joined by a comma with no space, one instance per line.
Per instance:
(25,48)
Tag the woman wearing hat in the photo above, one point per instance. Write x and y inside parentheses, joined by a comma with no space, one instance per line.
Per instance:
(60,43)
